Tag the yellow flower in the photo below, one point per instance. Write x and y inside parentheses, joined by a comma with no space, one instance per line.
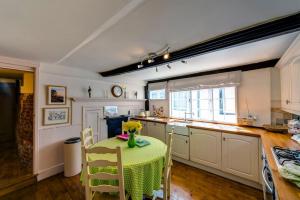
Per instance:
(132,126)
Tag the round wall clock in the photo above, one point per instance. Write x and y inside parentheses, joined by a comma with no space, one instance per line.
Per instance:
(117,91)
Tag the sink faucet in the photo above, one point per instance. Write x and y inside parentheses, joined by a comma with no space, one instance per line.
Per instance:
(187,113)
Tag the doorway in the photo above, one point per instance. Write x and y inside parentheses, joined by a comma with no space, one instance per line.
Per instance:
(16,127)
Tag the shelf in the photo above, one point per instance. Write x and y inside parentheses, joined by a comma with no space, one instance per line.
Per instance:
(101,99)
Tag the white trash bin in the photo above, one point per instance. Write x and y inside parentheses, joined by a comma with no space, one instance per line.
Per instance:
(72,156)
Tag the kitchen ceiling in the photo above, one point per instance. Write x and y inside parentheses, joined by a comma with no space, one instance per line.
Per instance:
(236,56)
(100,35)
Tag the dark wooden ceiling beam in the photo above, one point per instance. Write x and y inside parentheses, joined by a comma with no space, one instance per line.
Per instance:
(255,33)
(248,67)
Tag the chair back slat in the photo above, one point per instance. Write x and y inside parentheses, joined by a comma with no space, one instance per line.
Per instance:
(101,163)
(101,150)
(105,188)
(104,176)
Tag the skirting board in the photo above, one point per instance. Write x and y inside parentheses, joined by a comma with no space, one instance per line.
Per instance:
(45,173)
(219,173)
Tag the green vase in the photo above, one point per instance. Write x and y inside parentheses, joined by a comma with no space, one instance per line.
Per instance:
(131,140)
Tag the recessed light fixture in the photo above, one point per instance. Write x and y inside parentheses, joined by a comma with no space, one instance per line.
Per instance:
(184,61)
(169,66)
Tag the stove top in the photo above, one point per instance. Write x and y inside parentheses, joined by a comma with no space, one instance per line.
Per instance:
(284,155)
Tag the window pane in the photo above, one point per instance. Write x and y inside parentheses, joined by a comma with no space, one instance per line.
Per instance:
(180,103)
(157,94)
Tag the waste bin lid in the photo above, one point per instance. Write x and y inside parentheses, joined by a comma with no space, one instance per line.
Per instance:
(72,140)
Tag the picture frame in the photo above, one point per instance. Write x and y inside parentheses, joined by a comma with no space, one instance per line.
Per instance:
(55,116)
(56,95)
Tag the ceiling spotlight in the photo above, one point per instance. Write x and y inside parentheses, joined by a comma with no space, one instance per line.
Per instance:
(140,65)
(166,56)
(150,60)
(184,61)
(156,69)
(168,66)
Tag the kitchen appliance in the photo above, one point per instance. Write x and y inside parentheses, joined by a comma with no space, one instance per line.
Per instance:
(284,156)
(268,185)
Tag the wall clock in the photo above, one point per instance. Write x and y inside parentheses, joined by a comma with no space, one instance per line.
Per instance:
(117,91)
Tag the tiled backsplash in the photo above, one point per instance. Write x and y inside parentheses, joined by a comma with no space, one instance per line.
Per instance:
(280,117)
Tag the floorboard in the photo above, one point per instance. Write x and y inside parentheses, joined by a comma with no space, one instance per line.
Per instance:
(188,183)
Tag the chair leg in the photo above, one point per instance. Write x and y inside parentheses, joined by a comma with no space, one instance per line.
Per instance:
(165,190)
(169,185)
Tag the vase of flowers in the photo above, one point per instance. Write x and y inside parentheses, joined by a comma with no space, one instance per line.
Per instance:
(132,127)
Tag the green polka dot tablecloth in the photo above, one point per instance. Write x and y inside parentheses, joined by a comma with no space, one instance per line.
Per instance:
(142,165)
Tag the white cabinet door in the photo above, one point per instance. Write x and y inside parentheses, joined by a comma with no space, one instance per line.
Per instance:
(144,130)
(157,130)
(180,146)
(205,147)
(285,81)
(240,156)
(91,120)
(295,84)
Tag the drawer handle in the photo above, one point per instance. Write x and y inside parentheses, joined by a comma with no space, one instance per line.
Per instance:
(186,141)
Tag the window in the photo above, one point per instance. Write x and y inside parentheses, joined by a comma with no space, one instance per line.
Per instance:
(157,94)
(216,104)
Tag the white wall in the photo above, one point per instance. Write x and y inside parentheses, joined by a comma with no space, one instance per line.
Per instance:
(51,138)
(256,87)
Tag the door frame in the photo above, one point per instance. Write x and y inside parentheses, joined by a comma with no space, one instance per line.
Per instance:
(29,66)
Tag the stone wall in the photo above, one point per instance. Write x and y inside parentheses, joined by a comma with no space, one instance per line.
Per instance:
(24,129)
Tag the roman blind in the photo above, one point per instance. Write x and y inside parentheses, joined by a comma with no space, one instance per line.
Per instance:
(209,81)
(157,86)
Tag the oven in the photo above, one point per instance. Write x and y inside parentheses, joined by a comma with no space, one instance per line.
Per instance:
(267,180)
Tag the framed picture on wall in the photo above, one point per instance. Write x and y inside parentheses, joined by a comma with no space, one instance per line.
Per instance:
(56,95)
(54,116)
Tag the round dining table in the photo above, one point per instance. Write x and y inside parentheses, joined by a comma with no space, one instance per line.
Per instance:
(142,166)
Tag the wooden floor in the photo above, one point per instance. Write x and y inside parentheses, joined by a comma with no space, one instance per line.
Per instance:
(11,169)
(188,183)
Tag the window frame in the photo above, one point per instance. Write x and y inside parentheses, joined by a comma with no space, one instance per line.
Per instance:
(213,115)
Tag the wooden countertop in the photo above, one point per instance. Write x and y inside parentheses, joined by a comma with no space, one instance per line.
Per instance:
(285,189)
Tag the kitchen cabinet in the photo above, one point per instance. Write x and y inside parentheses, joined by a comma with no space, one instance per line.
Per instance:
(180,146)
(289,65)
(144,130)
(205,147)
(295,85)
(240,156)
(157,130)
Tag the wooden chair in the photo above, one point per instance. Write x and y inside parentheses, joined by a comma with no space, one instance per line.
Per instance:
(87,137)
(90,190)
(167,171)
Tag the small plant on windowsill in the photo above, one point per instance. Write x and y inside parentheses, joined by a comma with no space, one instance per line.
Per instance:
(132,127)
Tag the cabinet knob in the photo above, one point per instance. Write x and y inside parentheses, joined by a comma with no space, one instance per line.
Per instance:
(191,133)
(224,138)
(186,141)
(287,101)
